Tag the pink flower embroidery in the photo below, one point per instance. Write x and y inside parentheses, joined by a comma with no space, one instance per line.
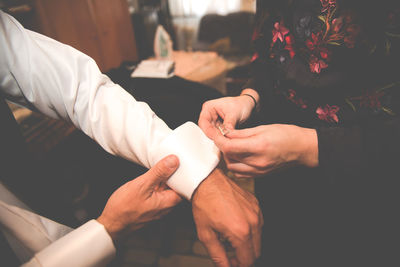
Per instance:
(316,40)
(328,113)
(337,24)
(316,64)
(289,45)
(279,32)
(327,4)
(316,45)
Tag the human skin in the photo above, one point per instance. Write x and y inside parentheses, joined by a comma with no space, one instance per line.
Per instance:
(221,209)
(141,200)
(264,149)
(260,150)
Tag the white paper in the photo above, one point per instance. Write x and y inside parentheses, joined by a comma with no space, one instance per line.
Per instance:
(154,69)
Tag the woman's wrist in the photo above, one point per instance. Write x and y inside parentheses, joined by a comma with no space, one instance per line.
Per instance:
(308,153)
(252,96)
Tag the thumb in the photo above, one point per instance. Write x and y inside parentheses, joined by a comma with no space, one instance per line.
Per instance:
(169,198)
(162,171)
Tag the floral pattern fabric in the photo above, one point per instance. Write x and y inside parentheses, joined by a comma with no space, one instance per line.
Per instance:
(317,39)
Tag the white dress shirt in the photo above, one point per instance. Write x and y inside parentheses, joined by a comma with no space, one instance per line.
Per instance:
(61,82)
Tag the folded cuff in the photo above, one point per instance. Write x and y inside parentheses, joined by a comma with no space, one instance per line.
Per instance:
(198,156)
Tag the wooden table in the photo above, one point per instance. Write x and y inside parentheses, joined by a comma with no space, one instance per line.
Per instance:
(203,67)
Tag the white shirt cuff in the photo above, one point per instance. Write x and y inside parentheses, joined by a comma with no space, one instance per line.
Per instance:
(88,245)
(198,156)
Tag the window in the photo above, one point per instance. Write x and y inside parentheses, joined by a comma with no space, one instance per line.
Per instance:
(197,8)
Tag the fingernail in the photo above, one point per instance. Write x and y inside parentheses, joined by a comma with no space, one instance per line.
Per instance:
(171,162)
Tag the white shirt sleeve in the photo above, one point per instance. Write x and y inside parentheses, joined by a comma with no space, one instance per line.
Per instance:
(88,245)
(61,82)
(39,241)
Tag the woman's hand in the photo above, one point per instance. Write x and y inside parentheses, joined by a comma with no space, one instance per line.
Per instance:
(141,200)
(231,110)
(257,151)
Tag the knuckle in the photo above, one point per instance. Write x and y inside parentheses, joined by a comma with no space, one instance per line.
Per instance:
(204,237)
(206,105)
(258,163)
(242,231)
(262,163)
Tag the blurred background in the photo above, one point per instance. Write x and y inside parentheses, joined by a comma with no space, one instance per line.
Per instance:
(212,52)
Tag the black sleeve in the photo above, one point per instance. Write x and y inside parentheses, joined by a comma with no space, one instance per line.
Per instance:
(361,151)
(261,81)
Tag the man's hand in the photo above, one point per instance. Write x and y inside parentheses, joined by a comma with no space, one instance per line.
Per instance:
(231,110)
(141,200)
(257,151)
(221,209)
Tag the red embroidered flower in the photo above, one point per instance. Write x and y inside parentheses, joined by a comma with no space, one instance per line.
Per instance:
(314,42)
(316,64)
(289,45)
(279,32)
(320,54)
(337,24)
(327,4)
(324,53)
(328,113)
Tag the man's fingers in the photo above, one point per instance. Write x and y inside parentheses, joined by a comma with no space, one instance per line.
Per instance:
(245,253)
(215,249)
(257,235)
(161,172)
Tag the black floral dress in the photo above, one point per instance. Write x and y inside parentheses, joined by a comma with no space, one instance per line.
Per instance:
(333,66)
